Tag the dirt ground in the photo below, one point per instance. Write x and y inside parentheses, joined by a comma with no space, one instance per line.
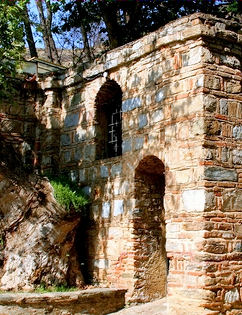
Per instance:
(158,307)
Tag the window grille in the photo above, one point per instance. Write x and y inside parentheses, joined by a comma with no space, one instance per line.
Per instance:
(114,143)
(109,121)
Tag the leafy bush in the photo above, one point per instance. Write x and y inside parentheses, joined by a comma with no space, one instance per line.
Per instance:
(68,194)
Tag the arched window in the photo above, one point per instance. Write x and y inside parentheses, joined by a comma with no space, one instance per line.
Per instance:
(109,120)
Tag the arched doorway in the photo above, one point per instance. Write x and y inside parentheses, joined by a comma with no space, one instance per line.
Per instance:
(150,260)
(109,120)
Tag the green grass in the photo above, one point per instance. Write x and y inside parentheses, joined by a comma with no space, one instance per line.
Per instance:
(61,288)
(43,289)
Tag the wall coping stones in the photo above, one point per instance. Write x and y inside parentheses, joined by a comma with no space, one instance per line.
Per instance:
(91,301)
(180,30)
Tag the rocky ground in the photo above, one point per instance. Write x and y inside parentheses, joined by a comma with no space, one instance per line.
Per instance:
(166,306)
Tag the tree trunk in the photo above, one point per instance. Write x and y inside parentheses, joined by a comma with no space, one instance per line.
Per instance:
(87,49)
(46,24)
(109,13)
(28,33)
(54,51)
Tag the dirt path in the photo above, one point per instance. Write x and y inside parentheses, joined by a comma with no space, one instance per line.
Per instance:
(158,307)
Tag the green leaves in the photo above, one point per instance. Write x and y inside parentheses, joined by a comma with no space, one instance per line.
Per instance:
(234,6)
(11,41)
(68,194)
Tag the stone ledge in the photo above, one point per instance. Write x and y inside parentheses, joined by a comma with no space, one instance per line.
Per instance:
(91,302)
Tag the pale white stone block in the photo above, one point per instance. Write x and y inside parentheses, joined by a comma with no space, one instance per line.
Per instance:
(118,207)
(148,99)
(174,246)
(183,176)
(195,56)
(172,227)
(105,210)
(194,200)
(80,134)
(101,263)
(200,82)
(137,46)
(91,132)
(231,296)
(116,187)
(116,233)
(73,176)
(157,116)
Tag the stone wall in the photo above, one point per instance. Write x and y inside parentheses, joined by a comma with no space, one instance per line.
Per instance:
(18,120)
(180,164)
(162,103)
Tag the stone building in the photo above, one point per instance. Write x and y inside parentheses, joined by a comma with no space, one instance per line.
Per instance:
(152,131)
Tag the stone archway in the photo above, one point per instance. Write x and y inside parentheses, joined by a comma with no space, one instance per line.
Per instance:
(150,260)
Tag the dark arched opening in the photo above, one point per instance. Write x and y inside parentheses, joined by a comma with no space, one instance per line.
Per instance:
(109,120)
(150,259)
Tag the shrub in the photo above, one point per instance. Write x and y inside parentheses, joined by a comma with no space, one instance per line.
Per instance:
(68,194)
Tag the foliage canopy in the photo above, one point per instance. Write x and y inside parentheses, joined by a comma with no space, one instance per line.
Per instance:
(124,21)
(83,26)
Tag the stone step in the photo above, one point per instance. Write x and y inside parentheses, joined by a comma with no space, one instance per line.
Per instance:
(98,301)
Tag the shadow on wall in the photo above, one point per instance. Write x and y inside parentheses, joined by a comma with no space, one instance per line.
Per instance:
(149,231)
(93,234)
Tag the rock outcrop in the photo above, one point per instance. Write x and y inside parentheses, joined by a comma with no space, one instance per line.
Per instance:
(37,234)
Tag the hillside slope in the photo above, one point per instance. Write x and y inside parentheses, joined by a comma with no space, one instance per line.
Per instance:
(36,234)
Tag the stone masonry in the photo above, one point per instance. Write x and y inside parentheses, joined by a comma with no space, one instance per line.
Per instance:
(165,216)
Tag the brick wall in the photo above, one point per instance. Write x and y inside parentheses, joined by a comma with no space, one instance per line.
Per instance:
(222,245)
